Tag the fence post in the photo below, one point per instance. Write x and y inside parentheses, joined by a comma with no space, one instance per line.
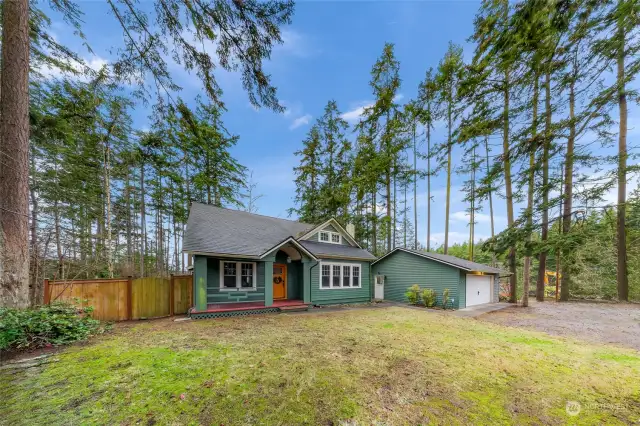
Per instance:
(171,296)
(47,294)
(129,296)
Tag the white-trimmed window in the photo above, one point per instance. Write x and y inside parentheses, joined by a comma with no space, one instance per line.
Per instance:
(330,237)
(339,275)
(237,276)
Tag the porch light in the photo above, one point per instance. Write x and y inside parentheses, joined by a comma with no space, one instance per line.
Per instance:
(288,259)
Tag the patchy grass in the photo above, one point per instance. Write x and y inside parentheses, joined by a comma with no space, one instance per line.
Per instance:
(393,366)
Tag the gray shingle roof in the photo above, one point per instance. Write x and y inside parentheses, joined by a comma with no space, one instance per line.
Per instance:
(213,229)
(336,250)
(218,230)
(467,265)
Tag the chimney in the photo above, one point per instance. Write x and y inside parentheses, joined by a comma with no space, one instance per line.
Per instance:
(351,230)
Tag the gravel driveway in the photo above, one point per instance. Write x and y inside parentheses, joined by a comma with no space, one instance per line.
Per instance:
(613,323)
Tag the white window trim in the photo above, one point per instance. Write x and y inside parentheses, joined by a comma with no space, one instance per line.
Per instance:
(238,276)
(331,265)
(330,234)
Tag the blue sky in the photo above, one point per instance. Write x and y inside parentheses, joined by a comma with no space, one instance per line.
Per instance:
(328,53)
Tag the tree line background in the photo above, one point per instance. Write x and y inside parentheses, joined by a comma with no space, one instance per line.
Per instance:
(537,116)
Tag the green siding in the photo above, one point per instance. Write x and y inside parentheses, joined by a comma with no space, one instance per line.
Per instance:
(462,290)
(214,295)
(341,295)
(402,270)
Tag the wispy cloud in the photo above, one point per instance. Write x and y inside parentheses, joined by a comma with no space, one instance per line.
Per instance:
(94,63)
(297,44)
(300,121)
(463,216)
(357,110)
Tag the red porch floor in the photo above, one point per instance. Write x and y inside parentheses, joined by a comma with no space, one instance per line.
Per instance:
(248,306)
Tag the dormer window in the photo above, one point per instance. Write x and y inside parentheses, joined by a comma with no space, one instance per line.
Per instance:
(330,237)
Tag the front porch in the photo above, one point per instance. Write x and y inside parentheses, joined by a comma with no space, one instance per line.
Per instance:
(229,286)
(221,310)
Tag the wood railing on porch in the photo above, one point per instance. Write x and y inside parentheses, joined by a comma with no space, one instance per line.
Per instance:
(121,299)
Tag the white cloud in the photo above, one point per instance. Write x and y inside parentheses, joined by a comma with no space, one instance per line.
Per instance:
(300,121)
(455,237)
(95,63)
(463,216)
(295,43)
(356,112)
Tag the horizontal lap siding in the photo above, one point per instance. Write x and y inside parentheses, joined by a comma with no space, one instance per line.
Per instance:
(341,295)
(214,295)
(462,290)
(402,270)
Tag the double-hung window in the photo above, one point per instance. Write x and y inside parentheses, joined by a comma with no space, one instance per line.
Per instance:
(237,276)
(339,275)
(330,237)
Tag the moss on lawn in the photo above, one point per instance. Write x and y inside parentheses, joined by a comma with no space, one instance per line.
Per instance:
(392,366)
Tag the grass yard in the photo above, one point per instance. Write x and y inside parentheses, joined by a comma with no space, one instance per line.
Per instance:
(391,366)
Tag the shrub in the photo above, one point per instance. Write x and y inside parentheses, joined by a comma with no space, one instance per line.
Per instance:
(413,294)
(55,324)
(445,298)
(429,297)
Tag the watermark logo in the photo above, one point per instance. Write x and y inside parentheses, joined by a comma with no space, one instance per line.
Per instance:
(573,408)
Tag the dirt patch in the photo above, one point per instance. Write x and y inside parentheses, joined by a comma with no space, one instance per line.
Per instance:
(611,323)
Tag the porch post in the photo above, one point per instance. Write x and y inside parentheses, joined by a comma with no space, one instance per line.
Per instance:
(268,281)
(306,280)
(200,282)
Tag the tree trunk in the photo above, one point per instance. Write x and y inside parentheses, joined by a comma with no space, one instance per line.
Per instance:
(472,210)
(107,194)
(486,147)
(622,276)
(143,222)
(415,190)
(428,186)
(529,218)
(374,222)
(542,263)
(127,201)
(568,190)
(14,144)
(36,296)
(513,279)
(447,208)
(394,222)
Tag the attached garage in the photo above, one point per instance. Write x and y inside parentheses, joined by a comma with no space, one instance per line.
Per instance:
(478,289)
(469,283)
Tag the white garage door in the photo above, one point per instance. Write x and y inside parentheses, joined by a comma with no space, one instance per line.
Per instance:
(478,289)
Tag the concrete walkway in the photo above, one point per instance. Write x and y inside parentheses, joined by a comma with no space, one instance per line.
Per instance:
(476,311)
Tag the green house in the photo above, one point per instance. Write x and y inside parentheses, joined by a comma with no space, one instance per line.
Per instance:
(469,283)
(246,263)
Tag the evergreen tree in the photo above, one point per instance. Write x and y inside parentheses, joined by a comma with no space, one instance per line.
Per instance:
(450,73)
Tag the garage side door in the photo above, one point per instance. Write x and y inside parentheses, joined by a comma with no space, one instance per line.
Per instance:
(478,289)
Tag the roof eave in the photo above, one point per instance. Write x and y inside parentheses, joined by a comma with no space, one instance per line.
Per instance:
(285,241)
(226,255)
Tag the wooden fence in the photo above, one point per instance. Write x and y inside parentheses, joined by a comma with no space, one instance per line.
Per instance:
(121,299)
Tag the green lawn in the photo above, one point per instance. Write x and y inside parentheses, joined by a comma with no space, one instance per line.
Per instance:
(391,366)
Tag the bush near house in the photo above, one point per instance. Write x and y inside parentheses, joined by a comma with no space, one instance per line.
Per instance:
(413,294)
(56,324)
(429,297)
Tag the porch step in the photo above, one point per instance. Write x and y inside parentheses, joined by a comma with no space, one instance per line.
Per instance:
(294,308)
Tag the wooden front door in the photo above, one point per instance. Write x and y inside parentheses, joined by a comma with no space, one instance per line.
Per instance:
(279,281)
